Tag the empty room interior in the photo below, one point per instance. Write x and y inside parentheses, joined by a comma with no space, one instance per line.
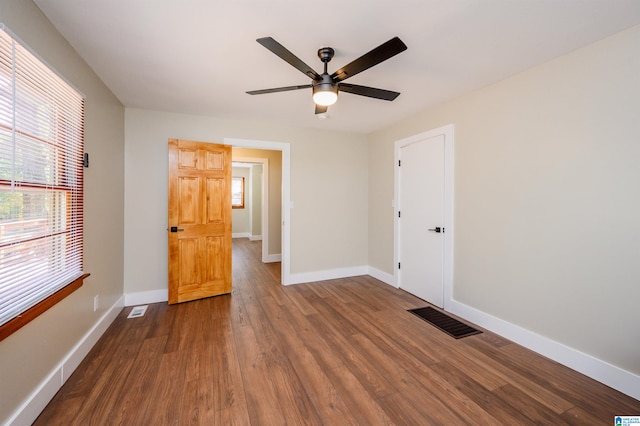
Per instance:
(269,193)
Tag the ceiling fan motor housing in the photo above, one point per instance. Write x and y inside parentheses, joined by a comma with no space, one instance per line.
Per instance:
(325,83)
(326,54)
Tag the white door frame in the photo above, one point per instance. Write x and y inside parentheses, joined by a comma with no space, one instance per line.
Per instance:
(447,132)
(286,195)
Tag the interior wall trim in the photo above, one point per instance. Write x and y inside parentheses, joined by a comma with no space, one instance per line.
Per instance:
(241,235)
(145,297)
(329,274)
(31,408)
(383,276)
(597,369)
(270,258)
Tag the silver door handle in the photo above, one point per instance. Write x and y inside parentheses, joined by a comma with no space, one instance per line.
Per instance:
(437,229)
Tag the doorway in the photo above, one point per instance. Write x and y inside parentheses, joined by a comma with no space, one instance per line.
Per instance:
(423,226)
(254,222)
(284,221)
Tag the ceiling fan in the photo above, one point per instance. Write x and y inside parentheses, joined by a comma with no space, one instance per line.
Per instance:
(325,86)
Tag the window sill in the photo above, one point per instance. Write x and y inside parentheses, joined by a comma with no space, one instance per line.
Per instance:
(7,329)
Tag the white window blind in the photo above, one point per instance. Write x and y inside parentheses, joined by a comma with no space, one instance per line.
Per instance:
(41,175)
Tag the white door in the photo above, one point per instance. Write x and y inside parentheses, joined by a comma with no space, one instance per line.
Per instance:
(421,219)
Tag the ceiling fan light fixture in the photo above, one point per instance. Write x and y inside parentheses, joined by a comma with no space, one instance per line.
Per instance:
(325,94)
(325,86)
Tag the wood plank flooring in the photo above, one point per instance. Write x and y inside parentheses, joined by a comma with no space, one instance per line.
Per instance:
(338,352)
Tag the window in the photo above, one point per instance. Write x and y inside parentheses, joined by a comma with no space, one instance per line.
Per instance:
(237,193)
(41,177)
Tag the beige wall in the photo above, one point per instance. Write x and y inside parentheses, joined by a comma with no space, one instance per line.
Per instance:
(547,235)
(240,217)
(328,222)
(28,356)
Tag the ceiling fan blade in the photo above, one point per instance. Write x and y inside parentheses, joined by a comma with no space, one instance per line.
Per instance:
(370,92)
(288,57)
(369,59)
(321,109)
(278,89)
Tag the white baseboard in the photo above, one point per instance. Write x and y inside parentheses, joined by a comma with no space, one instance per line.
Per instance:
(40,397)
(269,258)
(382,276)
(144,297)
(329,274)
(612,376)
(255,237)
(240,235)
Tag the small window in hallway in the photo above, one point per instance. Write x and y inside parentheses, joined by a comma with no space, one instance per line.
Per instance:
(237,193)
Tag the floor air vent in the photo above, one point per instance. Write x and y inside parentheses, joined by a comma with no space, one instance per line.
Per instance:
(138,311)
(444,322)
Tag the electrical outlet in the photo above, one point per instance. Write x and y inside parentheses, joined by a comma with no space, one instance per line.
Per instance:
(96,302)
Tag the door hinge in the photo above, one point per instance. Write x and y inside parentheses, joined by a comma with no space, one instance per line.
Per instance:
(398,213)
(398,265)
(399,163)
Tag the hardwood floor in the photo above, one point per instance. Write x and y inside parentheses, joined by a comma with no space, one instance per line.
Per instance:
(335,352)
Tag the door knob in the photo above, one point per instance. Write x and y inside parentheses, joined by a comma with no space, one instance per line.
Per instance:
(437,229)
(175,229)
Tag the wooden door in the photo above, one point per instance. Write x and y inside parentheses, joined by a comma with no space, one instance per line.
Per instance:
(422,219)
(199,220)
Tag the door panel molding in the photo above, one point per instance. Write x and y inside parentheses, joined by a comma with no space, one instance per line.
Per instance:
(448,133)
(199,228)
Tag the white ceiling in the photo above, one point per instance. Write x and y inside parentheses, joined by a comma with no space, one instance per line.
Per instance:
(200,56)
